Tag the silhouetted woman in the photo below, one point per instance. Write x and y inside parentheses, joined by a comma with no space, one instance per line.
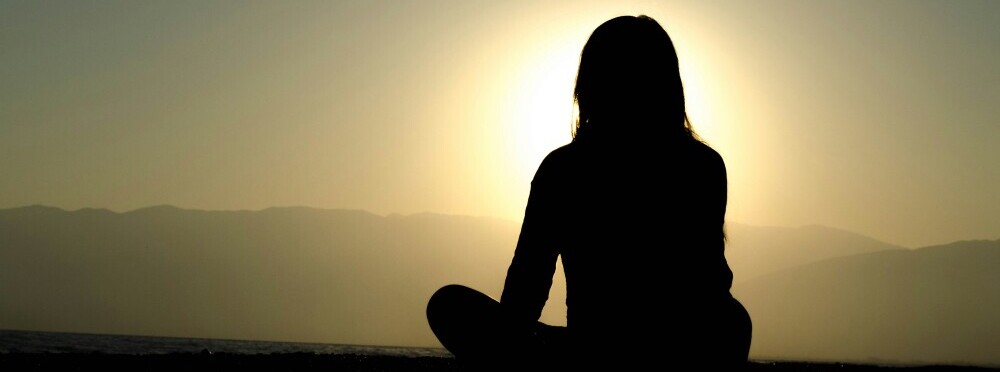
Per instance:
(635,205)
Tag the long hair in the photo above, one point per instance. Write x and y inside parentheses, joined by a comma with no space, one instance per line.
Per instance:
(629,84)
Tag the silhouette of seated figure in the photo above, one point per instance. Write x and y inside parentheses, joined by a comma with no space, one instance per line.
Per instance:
(635,206)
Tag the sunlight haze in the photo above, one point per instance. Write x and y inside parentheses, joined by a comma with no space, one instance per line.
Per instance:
(875,117)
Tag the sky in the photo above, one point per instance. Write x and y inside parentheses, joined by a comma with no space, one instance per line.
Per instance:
(878,117)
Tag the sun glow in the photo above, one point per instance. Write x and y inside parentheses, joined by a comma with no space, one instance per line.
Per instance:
(696,99)
(542,100)
(543,103)
(534,98)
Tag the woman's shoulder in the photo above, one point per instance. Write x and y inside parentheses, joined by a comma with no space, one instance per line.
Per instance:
(709,164)
(707,154)
(564,158)
(555,162)
(560,155)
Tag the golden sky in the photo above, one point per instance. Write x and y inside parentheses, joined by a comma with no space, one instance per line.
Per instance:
(875,117)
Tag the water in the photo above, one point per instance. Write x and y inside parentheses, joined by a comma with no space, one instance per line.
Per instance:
(56,342)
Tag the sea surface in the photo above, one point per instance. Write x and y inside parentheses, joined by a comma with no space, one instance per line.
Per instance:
(58,342)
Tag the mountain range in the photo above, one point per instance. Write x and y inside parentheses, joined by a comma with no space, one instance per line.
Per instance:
(349,276)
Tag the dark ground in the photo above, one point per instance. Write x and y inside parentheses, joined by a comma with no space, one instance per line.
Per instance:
(327,362)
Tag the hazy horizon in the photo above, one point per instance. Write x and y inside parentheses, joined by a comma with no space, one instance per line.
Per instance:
(352,277)
(729,222)
(875,117)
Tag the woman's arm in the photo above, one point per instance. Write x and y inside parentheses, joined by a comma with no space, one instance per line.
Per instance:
(718,195)
(529,277)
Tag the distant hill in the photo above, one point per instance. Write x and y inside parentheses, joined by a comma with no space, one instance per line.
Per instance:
(753,251)
(935,304)
(348,276)
(277,274)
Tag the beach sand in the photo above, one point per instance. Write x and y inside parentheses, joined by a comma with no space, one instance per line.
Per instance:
(327,362)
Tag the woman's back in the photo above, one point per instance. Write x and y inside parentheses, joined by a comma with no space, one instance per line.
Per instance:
(640,231)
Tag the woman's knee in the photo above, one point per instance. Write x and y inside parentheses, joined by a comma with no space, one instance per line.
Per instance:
(742,316)
(446,294)
(443,302)
(743,329)
(458,304)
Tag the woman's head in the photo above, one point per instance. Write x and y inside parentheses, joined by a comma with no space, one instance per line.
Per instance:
(629,83)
